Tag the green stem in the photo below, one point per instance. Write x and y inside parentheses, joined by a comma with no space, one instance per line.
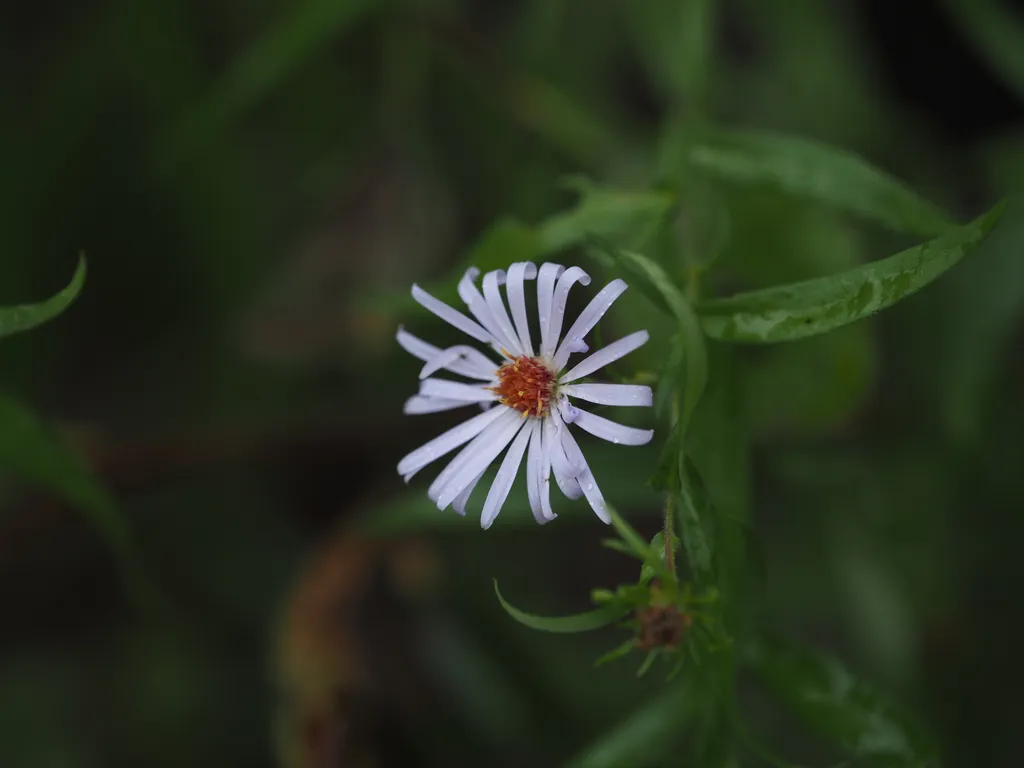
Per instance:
(670,550)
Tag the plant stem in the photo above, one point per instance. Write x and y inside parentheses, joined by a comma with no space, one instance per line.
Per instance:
(670,552)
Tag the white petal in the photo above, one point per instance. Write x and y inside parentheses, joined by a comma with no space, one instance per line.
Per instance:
(610,394)
(612,431)
(505,478)
(478,462)
(492,280)
(456,390)
(565,471)
(459,505)
(415,346)
(463,457)
(517,301)
(585,477)
(473,359)
(549,273)
(538,477)
(606,356)
(451,316)
(426,352)
(569,278)
(588,318)
(420,404)
(447,442)
(482,311)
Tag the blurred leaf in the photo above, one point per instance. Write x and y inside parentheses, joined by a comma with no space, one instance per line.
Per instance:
(668,382)
(672,39)
(645,738)
(29,449)
(652,280)
(25,316)
(823,693)
(997,33)
(692,510)
(579,622)
(816,306)
(813,385)
(274,57)
(628,218)
(825,174)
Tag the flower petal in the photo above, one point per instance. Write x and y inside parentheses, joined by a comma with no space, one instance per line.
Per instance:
(546,279)
(611,394)
(492,281)
(424,351)
(447,442)
(517,300)
(459,505)
(569,278)
(418,404)
(585,477)
(478,462)
(474,359)
(565,471)
(451,316)
(505,478)
(462,457)
(610,430)
(456,390)
(606,356)
(538,477)
(481,310)
(588,318)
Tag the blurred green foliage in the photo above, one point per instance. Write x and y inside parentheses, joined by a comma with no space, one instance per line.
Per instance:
(257,185)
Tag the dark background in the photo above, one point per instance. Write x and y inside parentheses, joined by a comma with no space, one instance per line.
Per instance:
(244,175)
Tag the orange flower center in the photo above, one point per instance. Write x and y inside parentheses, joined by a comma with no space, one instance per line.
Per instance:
(526,384)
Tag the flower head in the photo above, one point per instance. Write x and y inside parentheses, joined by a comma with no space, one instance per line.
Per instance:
(526,397)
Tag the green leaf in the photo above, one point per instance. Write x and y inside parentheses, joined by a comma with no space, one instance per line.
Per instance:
(651,278)
(628,218)
(647,735)
(25,316)
(633,539)
(616,653)
(691,512)
(30,450)
(997,34)
(829,699)
(580,622)
(825,174)
(817,306)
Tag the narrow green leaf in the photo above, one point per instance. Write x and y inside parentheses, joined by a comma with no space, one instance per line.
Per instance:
(998,36)
(30,450)
(695,539)
(825,174)
(616,653)
(817,306)
(653,281)
(829,699)
(580,622)
(633,539)
(628,218)
(647,735)
(670,375)
(647,662)
(25,316)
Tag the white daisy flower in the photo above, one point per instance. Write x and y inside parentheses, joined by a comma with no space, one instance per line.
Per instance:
(526,397)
